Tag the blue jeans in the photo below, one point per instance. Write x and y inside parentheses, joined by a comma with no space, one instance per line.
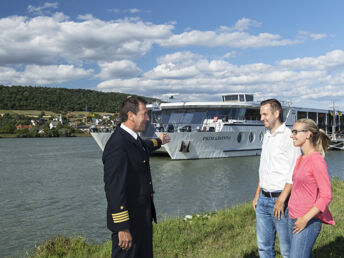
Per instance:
(267,226)
(302,243)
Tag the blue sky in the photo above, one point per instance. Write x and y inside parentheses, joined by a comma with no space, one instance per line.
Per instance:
(291,50)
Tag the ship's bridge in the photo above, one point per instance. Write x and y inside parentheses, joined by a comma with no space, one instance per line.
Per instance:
(238,97)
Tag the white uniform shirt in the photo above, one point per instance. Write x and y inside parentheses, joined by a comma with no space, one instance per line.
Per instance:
(277,160)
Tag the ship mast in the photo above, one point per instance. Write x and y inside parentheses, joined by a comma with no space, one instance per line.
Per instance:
(333,122)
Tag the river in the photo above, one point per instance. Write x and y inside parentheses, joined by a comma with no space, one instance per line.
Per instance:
(54,186)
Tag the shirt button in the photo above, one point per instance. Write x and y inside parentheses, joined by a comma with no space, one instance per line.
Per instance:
(144,161)
(150,182)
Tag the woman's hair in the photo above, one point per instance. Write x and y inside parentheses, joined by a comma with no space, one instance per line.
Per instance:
(319,139)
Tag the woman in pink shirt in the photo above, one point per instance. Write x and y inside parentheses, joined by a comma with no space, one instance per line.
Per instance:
(311,192)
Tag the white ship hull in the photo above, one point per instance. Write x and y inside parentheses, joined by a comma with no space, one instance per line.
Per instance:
(101,139)
(203,145)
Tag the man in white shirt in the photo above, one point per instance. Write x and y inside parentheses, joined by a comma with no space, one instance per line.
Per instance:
(276,168)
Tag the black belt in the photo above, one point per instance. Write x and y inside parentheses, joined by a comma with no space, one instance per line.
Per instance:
(271,194)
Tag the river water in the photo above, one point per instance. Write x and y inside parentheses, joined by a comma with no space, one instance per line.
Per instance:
(54,186)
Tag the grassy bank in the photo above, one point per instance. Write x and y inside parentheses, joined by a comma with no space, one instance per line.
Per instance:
(227,233)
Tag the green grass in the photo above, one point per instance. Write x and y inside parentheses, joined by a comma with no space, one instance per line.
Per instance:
(225,233)
(8,135)
(31,113)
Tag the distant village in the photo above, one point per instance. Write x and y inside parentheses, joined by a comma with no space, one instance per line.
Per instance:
(56,125)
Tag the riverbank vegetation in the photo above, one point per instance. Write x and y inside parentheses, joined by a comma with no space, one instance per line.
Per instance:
(225,233)
(59,99)
(54,112)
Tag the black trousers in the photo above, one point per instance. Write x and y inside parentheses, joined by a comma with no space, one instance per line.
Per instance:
(142,246)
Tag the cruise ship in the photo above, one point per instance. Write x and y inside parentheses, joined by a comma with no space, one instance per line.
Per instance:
(226,128)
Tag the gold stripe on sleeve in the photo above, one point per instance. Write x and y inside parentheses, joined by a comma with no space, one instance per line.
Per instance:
(119,213)
(155,142)
(120,220)
(120,217)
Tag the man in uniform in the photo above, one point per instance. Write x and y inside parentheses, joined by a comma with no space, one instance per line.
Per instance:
(276,168)
(128,182)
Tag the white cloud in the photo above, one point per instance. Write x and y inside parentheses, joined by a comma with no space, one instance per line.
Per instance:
(194,76)
(126,11)
(184,58)
(118,69)
(315,36)
(51,39)
(231,54)
(40,9)
(245,24)
(331,61)
(134,10)
(236,39)
(86,17)
(43,39)
(42,75)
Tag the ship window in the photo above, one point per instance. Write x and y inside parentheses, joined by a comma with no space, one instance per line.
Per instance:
(198,117)
(322,120)
(241,114)
(231,98)
(249,97)
(233,113)
(242,98)
(301,114)
(239,138)
(187,118)
(261,136)
(176,118)
(165,116)
(285,114)
(212,113)
(220,113)
(252,114)
(155,117)
(251,137)
(313,116)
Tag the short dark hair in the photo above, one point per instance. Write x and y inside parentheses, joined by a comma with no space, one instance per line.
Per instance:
(131,104)
(275,106)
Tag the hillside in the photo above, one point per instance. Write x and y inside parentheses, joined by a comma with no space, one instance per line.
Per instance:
(59,99)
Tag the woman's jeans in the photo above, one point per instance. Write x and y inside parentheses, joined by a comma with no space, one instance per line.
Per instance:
(302,243)
(267,226)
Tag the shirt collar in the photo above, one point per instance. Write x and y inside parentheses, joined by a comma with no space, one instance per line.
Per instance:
(280,129)
(128,130)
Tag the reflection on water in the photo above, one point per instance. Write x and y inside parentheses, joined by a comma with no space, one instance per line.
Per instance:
(189,186)
(55,186)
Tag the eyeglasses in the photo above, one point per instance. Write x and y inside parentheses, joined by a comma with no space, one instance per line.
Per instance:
(294,132)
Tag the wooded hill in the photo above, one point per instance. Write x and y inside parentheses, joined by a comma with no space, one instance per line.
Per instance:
(60,99)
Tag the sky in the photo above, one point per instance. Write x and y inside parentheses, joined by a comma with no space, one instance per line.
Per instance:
(197,50)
